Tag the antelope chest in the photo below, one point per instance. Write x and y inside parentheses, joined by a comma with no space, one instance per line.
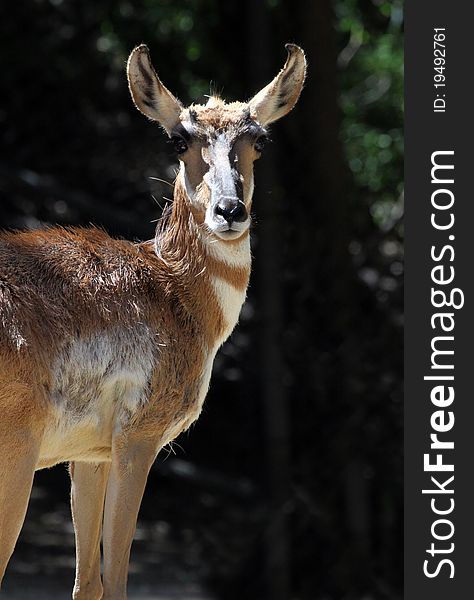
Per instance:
(96,382)
(100,382)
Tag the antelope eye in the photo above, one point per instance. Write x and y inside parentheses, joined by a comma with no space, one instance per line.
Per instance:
(260,143)
(179,144)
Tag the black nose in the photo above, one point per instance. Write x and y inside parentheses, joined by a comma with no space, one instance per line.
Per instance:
(232,212)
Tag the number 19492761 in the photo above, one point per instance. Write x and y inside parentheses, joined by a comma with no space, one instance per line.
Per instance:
(439,65)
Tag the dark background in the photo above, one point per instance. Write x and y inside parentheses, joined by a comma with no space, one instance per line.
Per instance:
(290,484)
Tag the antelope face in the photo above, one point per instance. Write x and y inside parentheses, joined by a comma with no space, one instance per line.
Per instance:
(218,143)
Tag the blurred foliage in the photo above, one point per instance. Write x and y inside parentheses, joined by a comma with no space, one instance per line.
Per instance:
(374,153)
(76,151)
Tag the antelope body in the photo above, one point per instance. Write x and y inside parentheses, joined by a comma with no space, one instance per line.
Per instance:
(106,346)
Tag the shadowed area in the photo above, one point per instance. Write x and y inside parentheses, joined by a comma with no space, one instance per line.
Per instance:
(290,484)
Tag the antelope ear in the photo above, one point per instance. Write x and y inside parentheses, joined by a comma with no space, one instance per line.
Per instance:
(277,98)
(149,95)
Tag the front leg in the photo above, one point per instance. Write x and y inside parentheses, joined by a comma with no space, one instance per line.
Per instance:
(88,485)
(131,462)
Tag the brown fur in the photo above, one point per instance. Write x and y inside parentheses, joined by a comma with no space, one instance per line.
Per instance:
(50,279)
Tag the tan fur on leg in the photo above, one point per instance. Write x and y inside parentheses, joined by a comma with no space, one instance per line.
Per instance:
(16,478)
(88,485)
(131,463)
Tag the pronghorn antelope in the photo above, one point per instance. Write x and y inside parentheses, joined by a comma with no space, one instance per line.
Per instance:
(106,346)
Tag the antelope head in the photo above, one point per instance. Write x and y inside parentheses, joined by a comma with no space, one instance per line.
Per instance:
(217,143)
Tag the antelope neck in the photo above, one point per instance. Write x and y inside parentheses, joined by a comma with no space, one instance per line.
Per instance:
(209,276)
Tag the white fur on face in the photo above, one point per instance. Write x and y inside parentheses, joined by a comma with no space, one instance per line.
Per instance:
(221,181)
